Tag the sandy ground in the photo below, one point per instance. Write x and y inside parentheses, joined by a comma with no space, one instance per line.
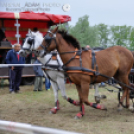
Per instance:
(33,107)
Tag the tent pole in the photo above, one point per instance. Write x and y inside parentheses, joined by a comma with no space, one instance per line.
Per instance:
(17,30)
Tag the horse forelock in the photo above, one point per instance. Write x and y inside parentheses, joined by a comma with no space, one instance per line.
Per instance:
(69,39)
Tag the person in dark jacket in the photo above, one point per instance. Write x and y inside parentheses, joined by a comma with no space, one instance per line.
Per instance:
(39,76)
(15,73)
(2,35)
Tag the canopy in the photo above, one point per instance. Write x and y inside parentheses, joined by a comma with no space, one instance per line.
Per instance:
(36,16)
(28,20)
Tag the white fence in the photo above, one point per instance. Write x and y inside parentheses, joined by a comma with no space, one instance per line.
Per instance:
(18,65)
(29,129)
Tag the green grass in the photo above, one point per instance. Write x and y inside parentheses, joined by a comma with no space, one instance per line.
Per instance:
(33,107)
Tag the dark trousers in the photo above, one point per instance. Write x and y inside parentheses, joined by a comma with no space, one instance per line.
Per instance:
(15,79)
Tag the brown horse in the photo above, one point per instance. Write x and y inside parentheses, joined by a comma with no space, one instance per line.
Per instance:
(114,62)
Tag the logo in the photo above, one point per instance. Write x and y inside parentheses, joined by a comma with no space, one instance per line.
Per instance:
(66,7)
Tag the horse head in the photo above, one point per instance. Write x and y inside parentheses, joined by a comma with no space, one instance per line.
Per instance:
(49,42)
(31,43)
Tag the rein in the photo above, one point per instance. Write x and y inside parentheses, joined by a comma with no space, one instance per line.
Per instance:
(86,71)
(80,69)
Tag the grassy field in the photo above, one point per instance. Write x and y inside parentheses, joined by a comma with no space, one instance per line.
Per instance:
(33,107)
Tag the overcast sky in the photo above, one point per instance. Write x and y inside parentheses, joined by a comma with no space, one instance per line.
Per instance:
(110,12)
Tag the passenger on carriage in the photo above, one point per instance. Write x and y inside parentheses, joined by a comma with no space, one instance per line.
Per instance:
(35,30)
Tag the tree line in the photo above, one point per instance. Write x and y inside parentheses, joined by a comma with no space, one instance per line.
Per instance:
(101,35)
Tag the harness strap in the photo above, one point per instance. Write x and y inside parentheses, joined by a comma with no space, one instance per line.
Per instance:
(48,61)
(76,68)
(45,70)
(81,72)
(94,64)
(42,46)
(77,55)
(53,57)
(93,59)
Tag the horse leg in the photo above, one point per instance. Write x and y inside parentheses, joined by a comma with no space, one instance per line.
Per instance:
(82,109)
(124,80)
(97,95)
(61,84)
(55,90)
(120,106)
(85,91)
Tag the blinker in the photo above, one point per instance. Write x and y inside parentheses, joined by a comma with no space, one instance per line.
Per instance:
(30,41)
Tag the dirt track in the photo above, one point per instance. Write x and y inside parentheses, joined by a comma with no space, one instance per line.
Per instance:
(33,107)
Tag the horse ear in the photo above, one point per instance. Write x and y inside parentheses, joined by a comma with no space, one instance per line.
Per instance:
(55,30)
(29,31)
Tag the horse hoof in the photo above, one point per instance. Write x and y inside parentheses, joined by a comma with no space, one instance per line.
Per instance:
(76,118)
(103,107)
(131,108)
(79,116)
(97,99)
(53,111)
(50,112)
(119,109)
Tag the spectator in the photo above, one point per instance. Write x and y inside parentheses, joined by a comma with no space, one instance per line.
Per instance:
(15,73)
(2,35)
(47,84)
(2,52)
(47,81)
(38,79)
(87,46)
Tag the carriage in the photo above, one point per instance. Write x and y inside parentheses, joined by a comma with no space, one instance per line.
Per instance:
(16,26)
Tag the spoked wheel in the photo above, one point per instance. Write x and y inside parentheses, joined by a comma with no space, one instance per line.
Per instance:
(131,96)
(120,94)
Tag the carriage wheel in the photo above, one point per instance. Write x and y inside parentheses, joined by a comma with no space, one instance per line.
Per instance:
(119,95)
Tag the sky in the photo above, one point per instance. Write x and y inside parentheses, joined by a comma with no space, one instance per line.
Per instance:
(109,12)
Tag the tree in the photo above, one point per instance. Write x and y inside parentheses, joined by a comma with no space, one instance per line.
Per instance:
(103,34)
(85,34)
(116,35)
(120,35)
(100,35)
(131,39)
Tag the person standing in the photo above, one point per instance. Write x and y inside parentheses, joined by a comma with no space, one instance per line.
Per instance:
(39,76)
(15,73)
(2,35)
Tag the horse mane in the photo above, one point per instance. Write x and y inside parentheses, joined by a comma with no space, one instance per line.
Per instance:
(69,39)
(33,34)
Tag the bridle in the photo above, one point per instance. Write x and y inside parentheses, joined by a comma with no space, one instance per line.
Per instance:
(49,39)
(30,41)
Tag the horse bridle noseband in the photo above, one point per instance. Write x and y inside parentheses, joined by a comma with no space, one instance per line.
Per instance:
(30,42)
(49,39)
